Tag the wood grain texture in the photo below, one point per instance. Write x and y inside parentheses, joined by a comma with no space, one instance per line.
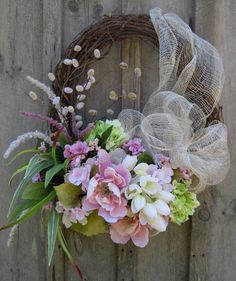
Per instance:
(213,245)
(33,35)
(21,53)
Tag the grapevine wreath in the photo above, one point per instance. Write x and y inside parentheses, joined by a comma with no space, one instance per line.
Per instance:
(130,176)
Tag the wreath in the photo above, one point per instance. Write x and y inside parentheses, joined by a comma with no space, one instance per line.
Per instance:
(133,175)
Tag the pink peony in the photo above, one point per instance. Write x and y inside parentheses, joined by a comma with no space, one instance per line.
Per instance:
(134,146)
(104,191)
(130,228)
(80,175)
(76,151)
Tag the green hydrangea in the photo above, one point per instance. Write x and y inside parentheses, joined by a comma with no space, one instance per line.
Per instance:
(184,203)
(117,135)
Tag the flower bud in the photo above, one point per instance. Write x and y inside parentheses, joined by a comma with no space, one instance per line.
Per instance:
(65,110)
(71,109)
(77,48)
(91,72)
(132,96)
(92,112)
(79,88)
(137,72)
(51,76)
(97,53)
(123,65)
(75,62)
(110,111)
(113,95)
(33,95)
(78,118)
(81,97)
(67,61)
(68,90)
(79,124)
(80,105)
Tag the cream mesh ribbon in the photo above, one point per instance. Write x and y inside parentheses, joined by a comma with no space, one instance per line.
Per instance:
(173,120)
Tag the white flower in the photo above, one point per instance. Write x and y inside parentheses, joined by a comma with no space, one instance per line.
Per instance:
(80,105)
(166,196)
(141,169)
(91,72)
(92,112)
(75,62)
(92,79)
(79,88)
(88,85)
(56,100)
(149,215)
(133,190)
(81,97)
(51,76)
(71,109)
(78,117)
(110,111)
(129,162)
(33,95)
(138,203)
(67,61)
(65,110)
(77,48)
(68,90)
(150,184)
(97,53)
(79,124)
(162,207)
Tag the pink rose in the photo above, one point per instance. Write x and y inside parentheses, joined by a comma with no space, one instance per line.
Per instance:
(130,228)
(104,191)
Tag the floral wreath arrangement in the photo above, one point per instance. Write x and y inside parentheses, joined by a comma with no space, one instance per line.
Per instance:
(133,175)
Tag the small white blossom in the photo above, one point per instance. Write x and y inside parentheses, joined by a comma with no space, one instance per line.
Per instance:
(67,61)
(88,85)
(78,117)
(138,203)
(123,65)
(77,48)
(138,72)
(68,90)
(92,79)
(65,110)
(110,111)
(33,95)
(79,124)
(97,53)
(56,100)
(71,109)
(92,112)
(129,162)
(80,105)
(51,76)
(75,63)
(91,72)
(81,97)
(113,95)
(79,88)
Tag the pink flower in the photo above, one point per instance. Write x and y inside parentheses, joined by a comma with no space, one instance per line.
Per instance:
(186,174)
(134,146)
(76,151)
(104,191)
(80,175)
(130,228)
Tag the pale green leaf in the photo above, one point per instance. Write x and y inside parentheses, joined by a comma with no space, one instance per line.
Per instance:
(68,194)
(53,224)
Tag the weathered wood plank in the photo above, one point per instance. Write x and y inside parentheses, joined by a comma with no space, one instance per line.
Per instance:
(21,54)
(213,244)
(52,23)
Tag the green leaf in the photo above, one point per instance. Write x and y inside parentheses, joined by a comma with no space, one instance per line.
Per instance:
(95,225)
(52,172)
(22,153)
(32,210)
(23,205)
(35,191)
(105,136)
(68,194)
(18,171)
(63,140)
(53,224)
(35,166)
(145,158)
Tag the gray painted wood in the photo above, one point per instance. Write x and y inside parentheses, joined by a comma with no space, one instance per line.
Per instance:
(33,34)
(213,245)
